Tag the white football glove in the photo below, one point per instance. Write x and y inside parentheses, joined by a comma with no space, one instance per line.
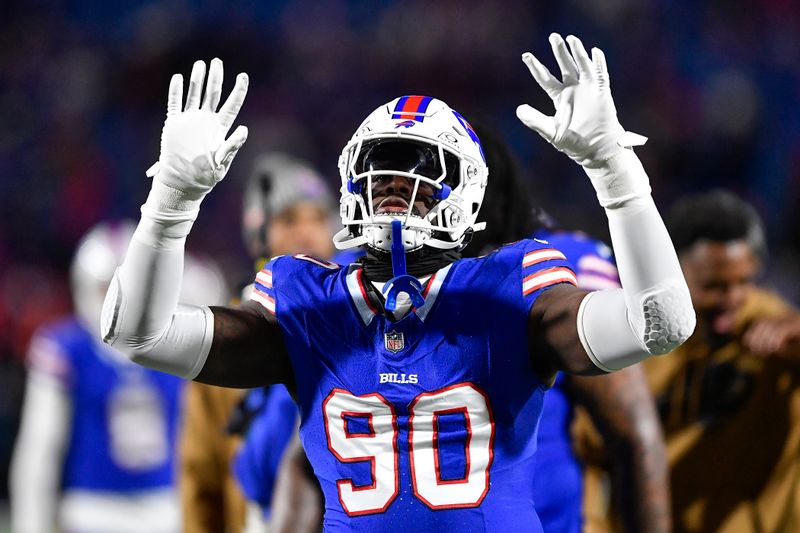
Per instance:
(585,126)
(195,155)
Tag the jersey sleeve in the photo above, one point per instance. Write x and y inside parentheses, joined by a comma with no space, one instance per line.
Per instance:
(289,279)
(263,290)
(543,267)
(596,270)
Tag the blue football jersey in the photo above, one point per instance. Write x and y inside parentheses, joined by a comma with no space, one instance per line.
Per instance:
(256,463)
(428,422)
(558,485)
(124,417)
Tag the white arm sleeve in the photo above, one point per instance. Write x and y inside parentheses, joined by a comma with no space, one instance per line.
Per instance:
(652,314)
(36,465)
(141,315)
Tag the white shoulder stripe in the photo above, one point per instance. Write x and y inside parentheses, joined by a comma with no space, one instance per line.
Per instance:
(538,256)
(593,282)
(598,264)
(547,277)
(263,299)
(265,278)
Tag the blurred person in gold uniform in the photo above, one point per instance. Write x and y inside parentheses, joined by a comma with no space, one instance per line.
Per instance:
(287,209)
(729,398)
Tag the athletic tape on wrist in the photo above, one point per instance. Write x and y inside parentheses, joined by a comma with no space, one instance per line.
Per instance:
(619,180)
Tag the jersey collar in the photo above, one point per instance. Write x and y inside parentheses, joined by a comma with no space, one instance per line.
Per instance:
(368,306)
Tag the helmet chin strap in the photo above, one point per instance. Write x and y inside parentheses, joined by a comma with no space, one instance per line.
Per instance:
(401,282)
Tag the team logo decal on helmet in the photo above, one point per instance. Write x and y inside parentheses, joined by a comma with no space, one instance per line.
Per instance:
(423,140)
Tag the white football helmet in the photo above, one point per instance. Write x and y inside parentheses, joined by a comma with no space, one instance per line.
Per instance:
(103,248)
(422,139)
(99,253)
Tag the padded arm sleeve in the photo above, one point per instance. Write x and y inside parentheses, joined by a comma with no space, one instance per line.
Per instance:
(141,315)
(652,314)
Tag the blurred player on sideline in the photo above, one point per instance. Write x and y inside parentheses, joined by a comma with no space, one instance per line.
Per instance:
(729,398)
(419,375)
(95,450)
(287,209)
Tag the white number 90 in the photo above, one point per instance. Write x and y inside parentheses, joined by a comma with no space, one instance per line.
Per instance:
(379,446)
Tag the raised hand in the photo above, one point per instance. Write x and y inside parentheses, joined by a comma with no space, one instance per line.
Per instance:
(585,125)
(195,154)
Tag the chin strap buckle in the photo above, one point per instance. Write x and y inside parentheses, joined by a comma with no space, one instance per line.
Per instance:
(401,282)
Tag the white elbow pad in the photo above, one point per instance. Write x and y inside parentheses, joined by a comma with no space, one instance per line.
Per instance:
(180,349)
(615,338)
(667,319)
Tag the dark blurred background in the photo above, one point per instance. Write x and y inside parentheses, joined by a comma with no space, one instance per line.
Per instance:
(715,85)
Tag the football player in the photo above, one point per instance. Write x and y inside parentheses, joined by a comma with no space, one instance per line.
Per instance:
(419,375)
(620,403)
(95,447)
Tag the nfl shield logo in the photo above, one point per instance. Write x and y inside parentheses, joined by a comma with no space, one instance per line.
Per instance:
(394,341)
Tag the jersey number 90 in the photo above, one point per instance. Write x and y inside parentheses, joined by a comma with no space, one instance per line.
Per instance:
(378,445)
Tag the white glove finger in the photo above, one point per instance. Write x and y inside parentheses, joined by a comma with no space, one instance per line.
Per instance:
(563,119)
(537,121)
(542,75)
(175,96)
(213,86)
(600,68)
(229,148)
(234,102)
(569,71)
(585,66)
(195,85)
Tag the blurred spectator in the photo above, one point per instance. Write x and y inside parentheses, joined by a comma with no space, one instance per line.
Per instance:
(287,209)
(728,398)
(96,445)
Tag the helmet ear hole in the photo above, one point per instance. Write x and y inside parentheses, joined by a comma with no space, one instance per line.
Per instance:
(475,207)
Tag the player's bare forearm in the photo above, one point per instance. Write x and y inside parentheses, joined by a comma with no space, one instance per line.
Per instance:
(248,349)
(621,406)
(554,341)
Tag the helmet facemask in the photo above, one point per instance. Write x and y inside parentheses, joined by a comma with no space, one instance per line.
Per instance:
(443,183)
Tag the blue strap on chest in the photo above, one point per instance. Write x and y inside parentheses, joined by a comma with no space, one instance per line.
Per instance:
(401,282)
